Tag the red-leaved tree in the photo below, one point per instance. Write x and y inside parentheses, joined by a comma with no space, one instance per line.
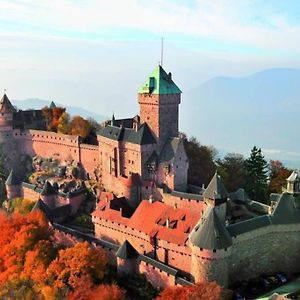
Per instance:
(201,291)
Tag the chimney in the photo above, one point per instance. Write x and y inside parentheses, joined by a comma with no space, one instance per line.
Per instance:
(151,199)
(167,222)
(175,205)
(121,210)
(106,199)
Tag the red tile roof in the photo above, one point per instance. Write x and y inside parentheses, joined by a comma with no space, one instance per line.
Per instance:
(151,218)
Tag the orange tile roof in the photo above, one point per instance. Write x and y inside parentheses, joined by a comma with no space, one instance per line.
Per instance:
(151,219)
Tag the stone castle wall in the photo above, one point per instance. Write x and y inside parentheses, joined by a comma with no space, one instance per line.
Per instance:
(158,277)
(59,146)
(266,250)
(269,249)
(184,202)
(177,256)
(28,193)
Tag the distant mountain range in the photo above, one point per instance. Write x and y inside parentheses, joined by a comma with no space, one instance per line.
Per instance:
(35,103)
(234,114)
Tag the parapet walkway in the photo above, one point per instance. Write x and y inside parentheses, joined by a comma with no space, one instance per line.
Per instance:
(114,247)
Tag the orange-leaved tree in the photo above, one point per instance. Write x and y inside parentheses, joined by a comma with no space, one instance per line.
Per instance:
(80,126)
(37,261)
(201,291)
(76,262)
(52,115)
(19,234)
(85,289)
(64,123)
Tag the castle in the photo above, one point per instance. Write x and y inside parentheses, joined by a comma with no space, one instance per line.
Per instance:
(144,206)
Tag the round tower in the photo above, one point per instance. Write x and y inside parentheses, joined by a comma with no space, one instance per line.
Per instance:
(13,186)
(6,116)
(48,195)
(210,245)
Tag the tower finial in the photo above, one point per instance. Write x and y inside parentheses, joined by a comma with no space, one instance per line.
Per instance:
(162,51)
(113,119)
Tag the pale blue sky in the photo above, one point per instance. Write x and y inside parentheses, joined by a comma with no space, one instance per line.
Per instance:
(95,53)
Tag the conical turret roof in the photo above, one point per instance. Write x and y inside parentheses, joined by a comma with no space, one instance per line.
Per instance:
(52,105)
(41,206)
(159,82)
(210,233)
(5,105)
(48,189)
(12,179)
(127,251)
(215,189)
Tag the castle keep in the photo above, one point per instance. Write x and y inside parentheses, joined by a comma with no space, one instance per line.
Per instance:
(145,209)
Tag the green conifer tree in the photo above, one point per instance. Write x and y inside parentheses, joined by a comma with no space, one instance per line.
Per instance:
(256,175)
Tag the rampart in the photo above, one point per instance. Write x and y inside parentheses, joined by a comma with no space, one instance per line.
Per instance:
(266,250)
(158,273)
(187,201)
(177,256)
(60,146)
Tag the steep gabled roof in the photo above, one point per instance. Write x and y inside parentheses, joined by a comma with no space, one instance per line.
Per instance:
(141,136)
(48,189)
(169,150)
(159,82)
(12,179)
(5,105)
(112,132)
(127,251)
(210,233)
(215,189)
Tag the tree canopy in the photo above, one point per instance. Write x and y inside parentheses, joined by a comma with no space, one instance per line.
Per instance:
(201,161)
(256,168)
(201,291)
(232,170)
(278,175)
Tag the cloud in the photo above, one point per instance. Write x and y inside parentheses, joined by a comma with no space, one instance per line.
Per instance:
(227,21)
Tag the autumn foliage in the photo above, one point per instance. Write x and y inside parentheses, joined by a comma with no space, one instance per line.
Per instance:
(53,115)
(200,291)
(85,289)
(80,126)
(19,235)
(34,266)
(76,262)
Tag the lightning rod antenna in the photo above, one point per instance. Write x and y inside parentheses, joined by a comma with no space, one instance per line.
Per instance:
(162,51)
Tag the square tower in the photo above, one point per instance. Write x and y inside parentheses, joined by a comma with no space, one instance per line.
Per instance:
(159,99)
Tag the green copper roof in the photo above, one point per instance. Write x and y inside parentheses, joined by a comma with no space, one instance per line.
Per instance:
(52,105)
(159,82)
